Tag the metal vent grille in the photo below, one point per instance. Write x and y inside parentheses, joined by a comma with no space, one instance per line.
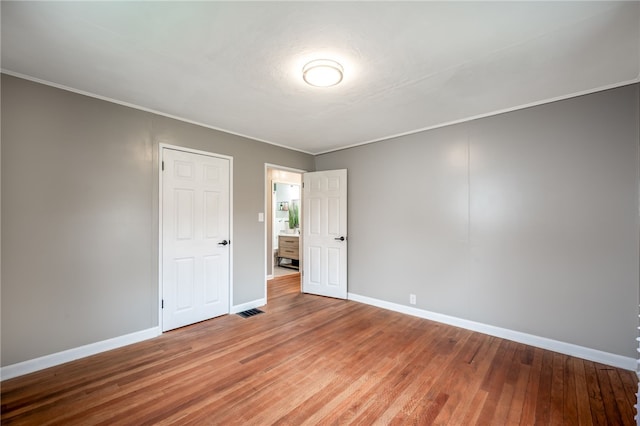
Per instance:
(250,313)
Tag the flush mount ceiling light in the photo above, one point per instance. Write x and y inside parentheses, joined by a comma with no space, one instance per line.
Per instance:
(322,73)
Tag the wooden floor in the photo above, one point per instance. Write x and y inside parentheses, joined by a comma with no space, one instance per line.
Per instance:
(314,360)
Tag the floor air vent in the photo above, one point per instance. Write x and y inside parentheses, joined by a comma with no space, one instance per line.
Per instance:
(250,313)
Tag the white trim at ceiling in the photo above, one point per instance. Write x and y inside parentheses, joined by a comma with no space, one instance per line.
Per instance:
(141,108)
(490,114)
(397,135)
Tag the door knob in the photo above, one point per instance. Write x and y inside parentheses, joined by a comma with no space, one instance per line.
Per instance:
(340,239)
(224,243)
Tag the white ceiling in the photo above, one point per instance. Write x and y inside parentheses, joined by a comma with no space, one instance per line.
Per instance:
(236,66)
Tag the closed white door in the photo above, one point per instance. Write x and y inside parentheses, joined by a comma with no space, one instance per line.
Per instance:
(325,233)
(195,237)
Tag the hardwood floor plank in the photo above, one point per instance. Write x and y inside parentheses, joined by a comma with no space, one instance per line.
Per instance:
(315,360)
(472,394)
(630,384)
(349,393)
(494,382)
(570,405)
(514,416)
(471,416)
(596,404)
(454,378)
(556,415)
(626,410)
(608,398)
(583,403)
(543,402)
(411,368)
(427,412)
(528,416)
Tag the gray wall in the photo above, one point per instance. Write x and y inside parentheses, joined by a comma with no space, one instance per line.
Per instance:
(526,220)
(80,221)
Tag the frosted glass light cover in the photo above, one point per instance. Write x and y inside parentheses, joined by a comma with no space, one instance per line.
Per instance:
(322,73)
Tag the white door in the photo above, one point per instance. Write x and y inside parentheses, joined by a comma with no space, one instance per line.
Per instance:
(325,233)
(195,237)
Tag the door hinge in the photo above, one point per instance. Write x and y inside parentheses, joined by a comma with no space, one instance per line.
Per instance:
(163,166)
(162,304)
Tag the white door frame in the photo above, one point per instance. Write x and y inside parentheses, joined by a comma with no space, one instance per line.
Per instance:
(161,147)
(268,166)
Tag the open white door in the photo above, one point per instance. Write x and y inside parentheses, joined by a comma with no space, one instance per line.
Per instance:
(325,233)
(195,237)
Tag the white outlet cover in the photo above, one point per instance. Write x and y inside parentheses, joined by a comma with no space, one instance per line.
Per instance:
(260,217)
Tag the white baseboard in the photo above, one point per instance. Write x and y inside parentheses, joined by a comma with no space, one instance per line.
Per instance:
(627,363)
(32,365)
(249,305)
(516,336)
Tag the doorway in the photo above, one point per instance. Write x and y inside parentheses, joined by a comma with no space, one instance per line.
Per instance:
(322,238)
(285,227)
(283,205)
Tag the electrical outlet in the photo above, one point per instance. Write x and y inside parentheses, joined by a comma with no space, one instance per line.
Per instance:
(412,299)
